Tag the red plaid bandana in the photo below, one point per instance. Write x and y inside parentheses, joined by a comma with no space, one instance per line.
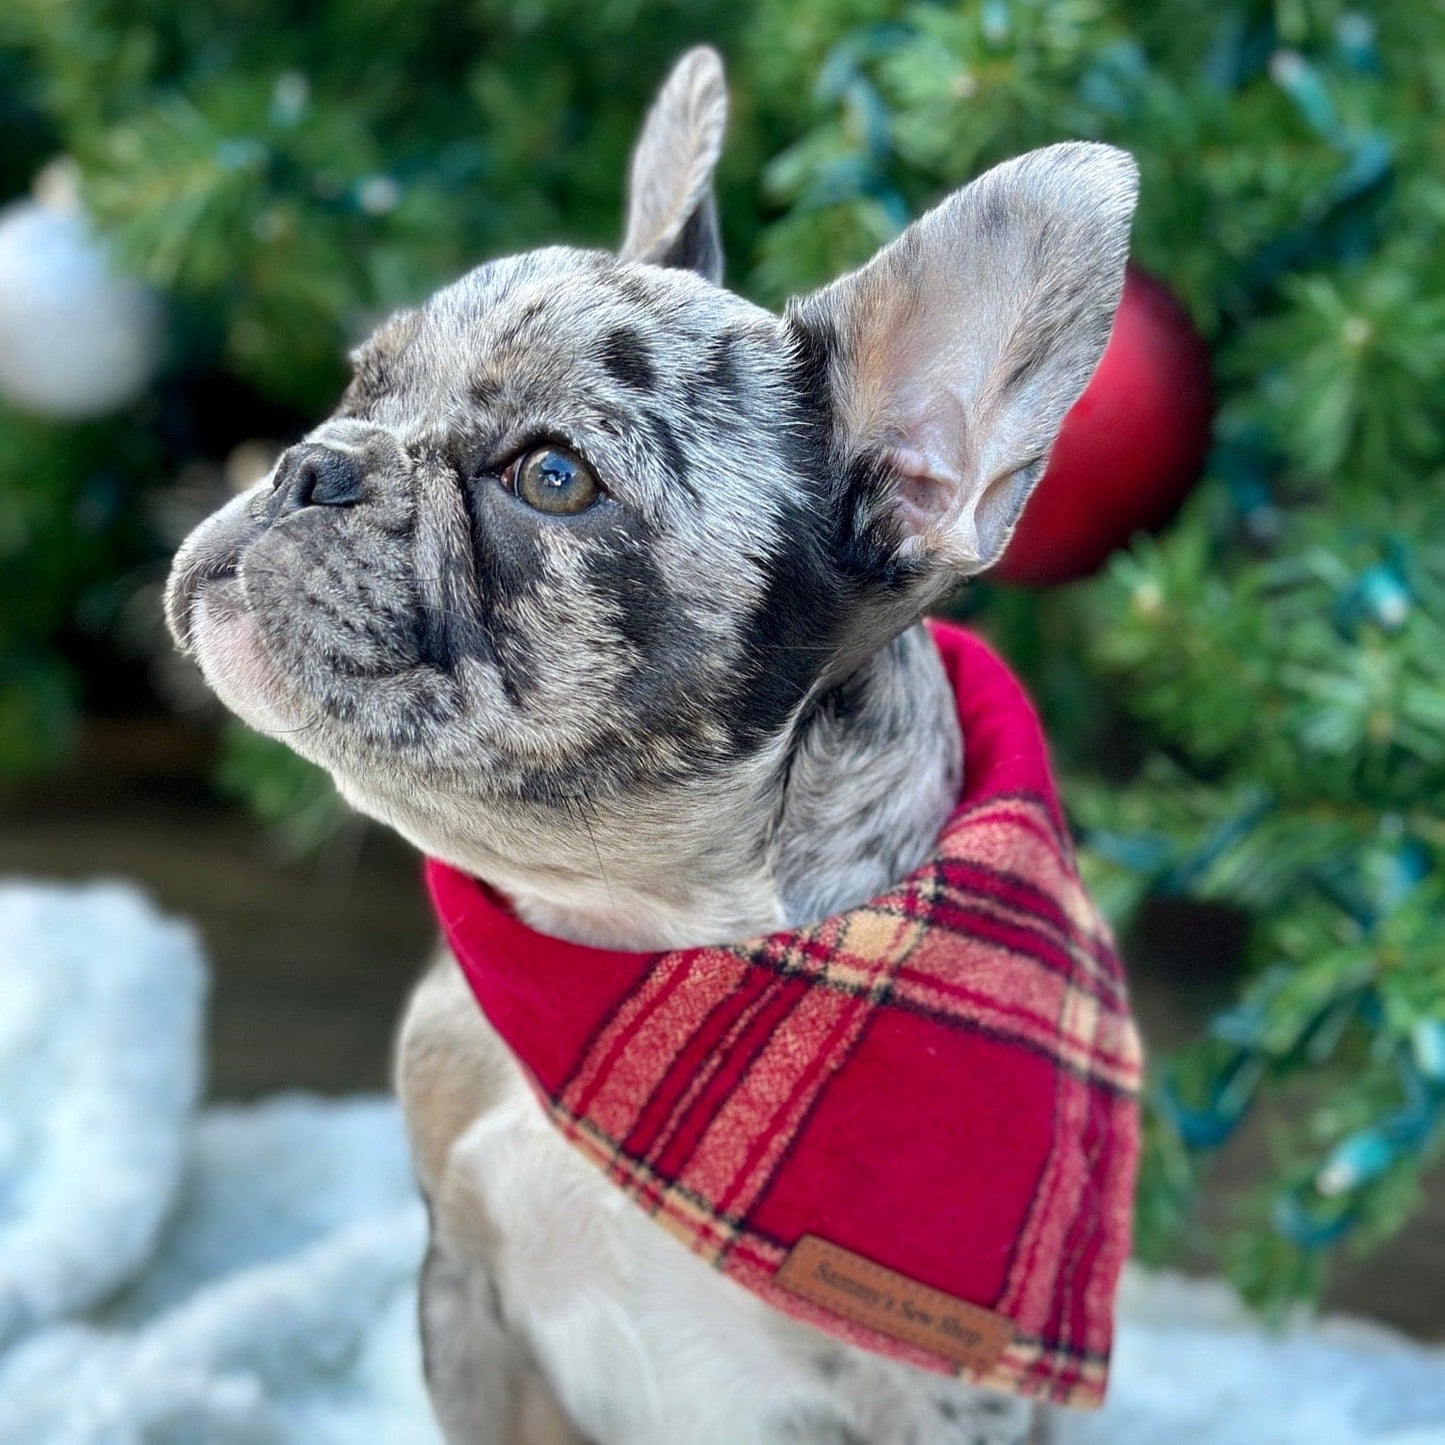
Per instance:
(913,1125)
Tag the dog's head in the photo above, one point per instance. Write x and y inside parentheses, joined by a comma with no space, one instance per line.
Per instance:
(586,524)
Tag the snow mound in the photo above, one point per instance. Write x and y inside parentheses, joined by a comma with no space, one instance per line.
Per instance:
(100,1064)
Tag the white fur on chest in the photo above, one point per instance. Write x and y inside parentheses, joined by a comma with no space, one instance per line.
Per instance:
(641,1342)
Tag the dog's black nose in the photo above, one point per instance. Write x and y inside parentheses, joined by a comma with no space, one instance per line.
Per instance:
(310,475)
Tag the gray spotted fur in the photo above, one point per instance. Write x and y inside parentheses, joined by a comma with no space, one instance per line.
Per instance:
(697,711)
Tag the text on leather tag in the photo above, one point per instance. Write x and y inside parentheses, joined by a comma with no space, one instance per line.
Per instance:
(894,1305)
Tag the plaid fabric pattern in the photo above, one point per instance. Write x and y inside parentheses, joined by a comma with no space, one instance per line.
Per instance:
(943,1081)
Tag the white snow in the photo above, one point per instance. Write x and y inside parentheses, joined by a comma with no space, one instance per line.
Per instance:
(246,1276)
(101,1005)
(1191,1367)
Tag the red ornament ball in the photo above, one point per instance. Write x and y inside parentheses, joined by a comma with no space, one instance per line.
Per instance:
(1130,450)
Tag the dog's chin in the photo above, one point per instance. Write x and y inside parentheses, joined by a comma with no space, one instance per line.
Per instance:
(226,643)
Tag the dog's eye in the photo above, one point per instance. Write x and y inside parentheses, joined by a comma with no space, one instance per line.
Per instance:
(553,479)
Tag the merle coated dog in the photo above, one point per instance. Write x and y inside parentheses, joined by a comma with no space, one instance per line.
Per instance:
(603,584)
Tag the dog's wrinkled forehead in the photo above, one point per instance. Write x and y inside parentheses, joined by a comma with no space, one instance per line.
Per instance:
(640,367)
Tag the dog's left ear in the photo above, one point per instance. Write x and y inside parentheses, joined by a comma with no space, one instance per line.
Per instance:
(671,214)
(955,353)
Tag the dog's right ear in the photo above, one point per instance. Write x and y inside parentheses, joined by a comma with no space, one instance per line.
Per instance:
(671,214)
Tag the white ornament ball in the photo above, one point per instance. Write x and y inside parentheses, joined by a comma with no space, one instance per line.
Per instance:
(76,338)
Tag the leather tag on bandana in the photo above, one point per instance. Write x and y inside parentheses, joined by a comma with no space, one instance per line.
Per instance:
(894,1305)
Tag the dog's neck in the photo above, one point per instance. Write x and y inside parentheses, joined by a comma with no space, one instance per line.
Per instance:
(845,804)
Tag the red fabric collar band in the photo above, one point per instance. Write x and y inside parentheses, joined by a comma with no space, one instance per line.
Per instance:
(913,1125)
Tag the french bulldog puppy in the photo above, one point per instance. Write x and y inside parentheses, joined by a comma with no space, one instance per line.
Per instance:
(604,584)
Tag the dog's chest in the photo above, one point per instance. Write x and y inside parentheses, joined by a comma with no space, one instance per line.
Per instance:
(642,1342)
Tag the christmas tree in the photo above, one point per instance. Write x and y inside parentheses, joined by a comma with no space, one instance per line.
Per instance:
(1249,706)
